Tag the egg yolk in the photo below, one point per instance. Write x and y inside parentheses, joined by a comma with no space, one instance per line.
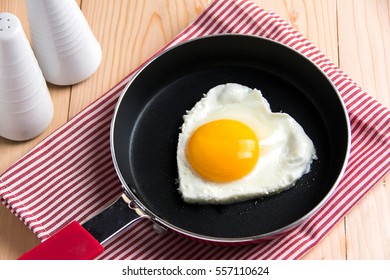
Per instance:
(223,150)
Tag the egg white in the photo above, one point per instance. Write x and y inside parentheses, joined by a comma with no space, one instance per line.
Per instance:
(286,152)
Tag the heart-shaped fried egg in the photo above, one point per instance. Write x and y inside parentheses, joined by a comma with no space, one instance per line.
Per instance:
(233,148)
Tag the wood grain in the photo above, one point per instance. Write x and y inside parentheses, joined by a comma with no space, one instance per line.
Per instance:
(354,34)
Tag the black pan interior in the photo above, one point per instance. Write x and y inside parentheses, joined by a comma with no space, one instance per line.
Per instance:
(150,114)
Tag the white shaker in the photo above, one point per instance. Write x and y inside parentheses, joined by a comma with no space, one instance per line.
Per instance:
(62,40)
(26,108)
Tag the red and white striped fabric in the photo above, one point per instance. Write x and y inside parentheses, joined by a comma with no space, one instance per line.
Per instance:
(70,176)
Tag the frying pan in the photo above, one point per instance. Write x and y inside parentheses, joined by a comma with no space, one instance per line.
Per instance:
(149,113)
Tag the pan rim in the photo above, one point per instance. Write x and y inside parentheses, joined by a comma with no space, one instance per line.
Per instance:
(246,239)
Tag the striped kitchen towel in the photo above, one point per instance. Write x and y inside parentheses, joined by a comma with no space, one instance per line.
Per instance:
(70,175)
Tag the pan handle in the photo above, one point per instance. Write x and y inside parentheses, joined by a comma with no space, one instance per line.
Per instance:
(83,242)
(73,242)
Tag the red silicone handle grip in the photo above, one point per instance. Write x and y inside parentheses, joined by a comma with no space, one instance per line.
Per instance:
(73,242)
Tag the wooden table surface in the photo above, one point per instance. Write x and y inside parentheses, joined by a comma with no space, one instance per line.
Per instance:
(354,34)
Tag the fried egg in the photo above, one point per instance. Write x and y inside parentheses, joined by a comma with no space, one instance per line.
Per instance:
(232,148)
